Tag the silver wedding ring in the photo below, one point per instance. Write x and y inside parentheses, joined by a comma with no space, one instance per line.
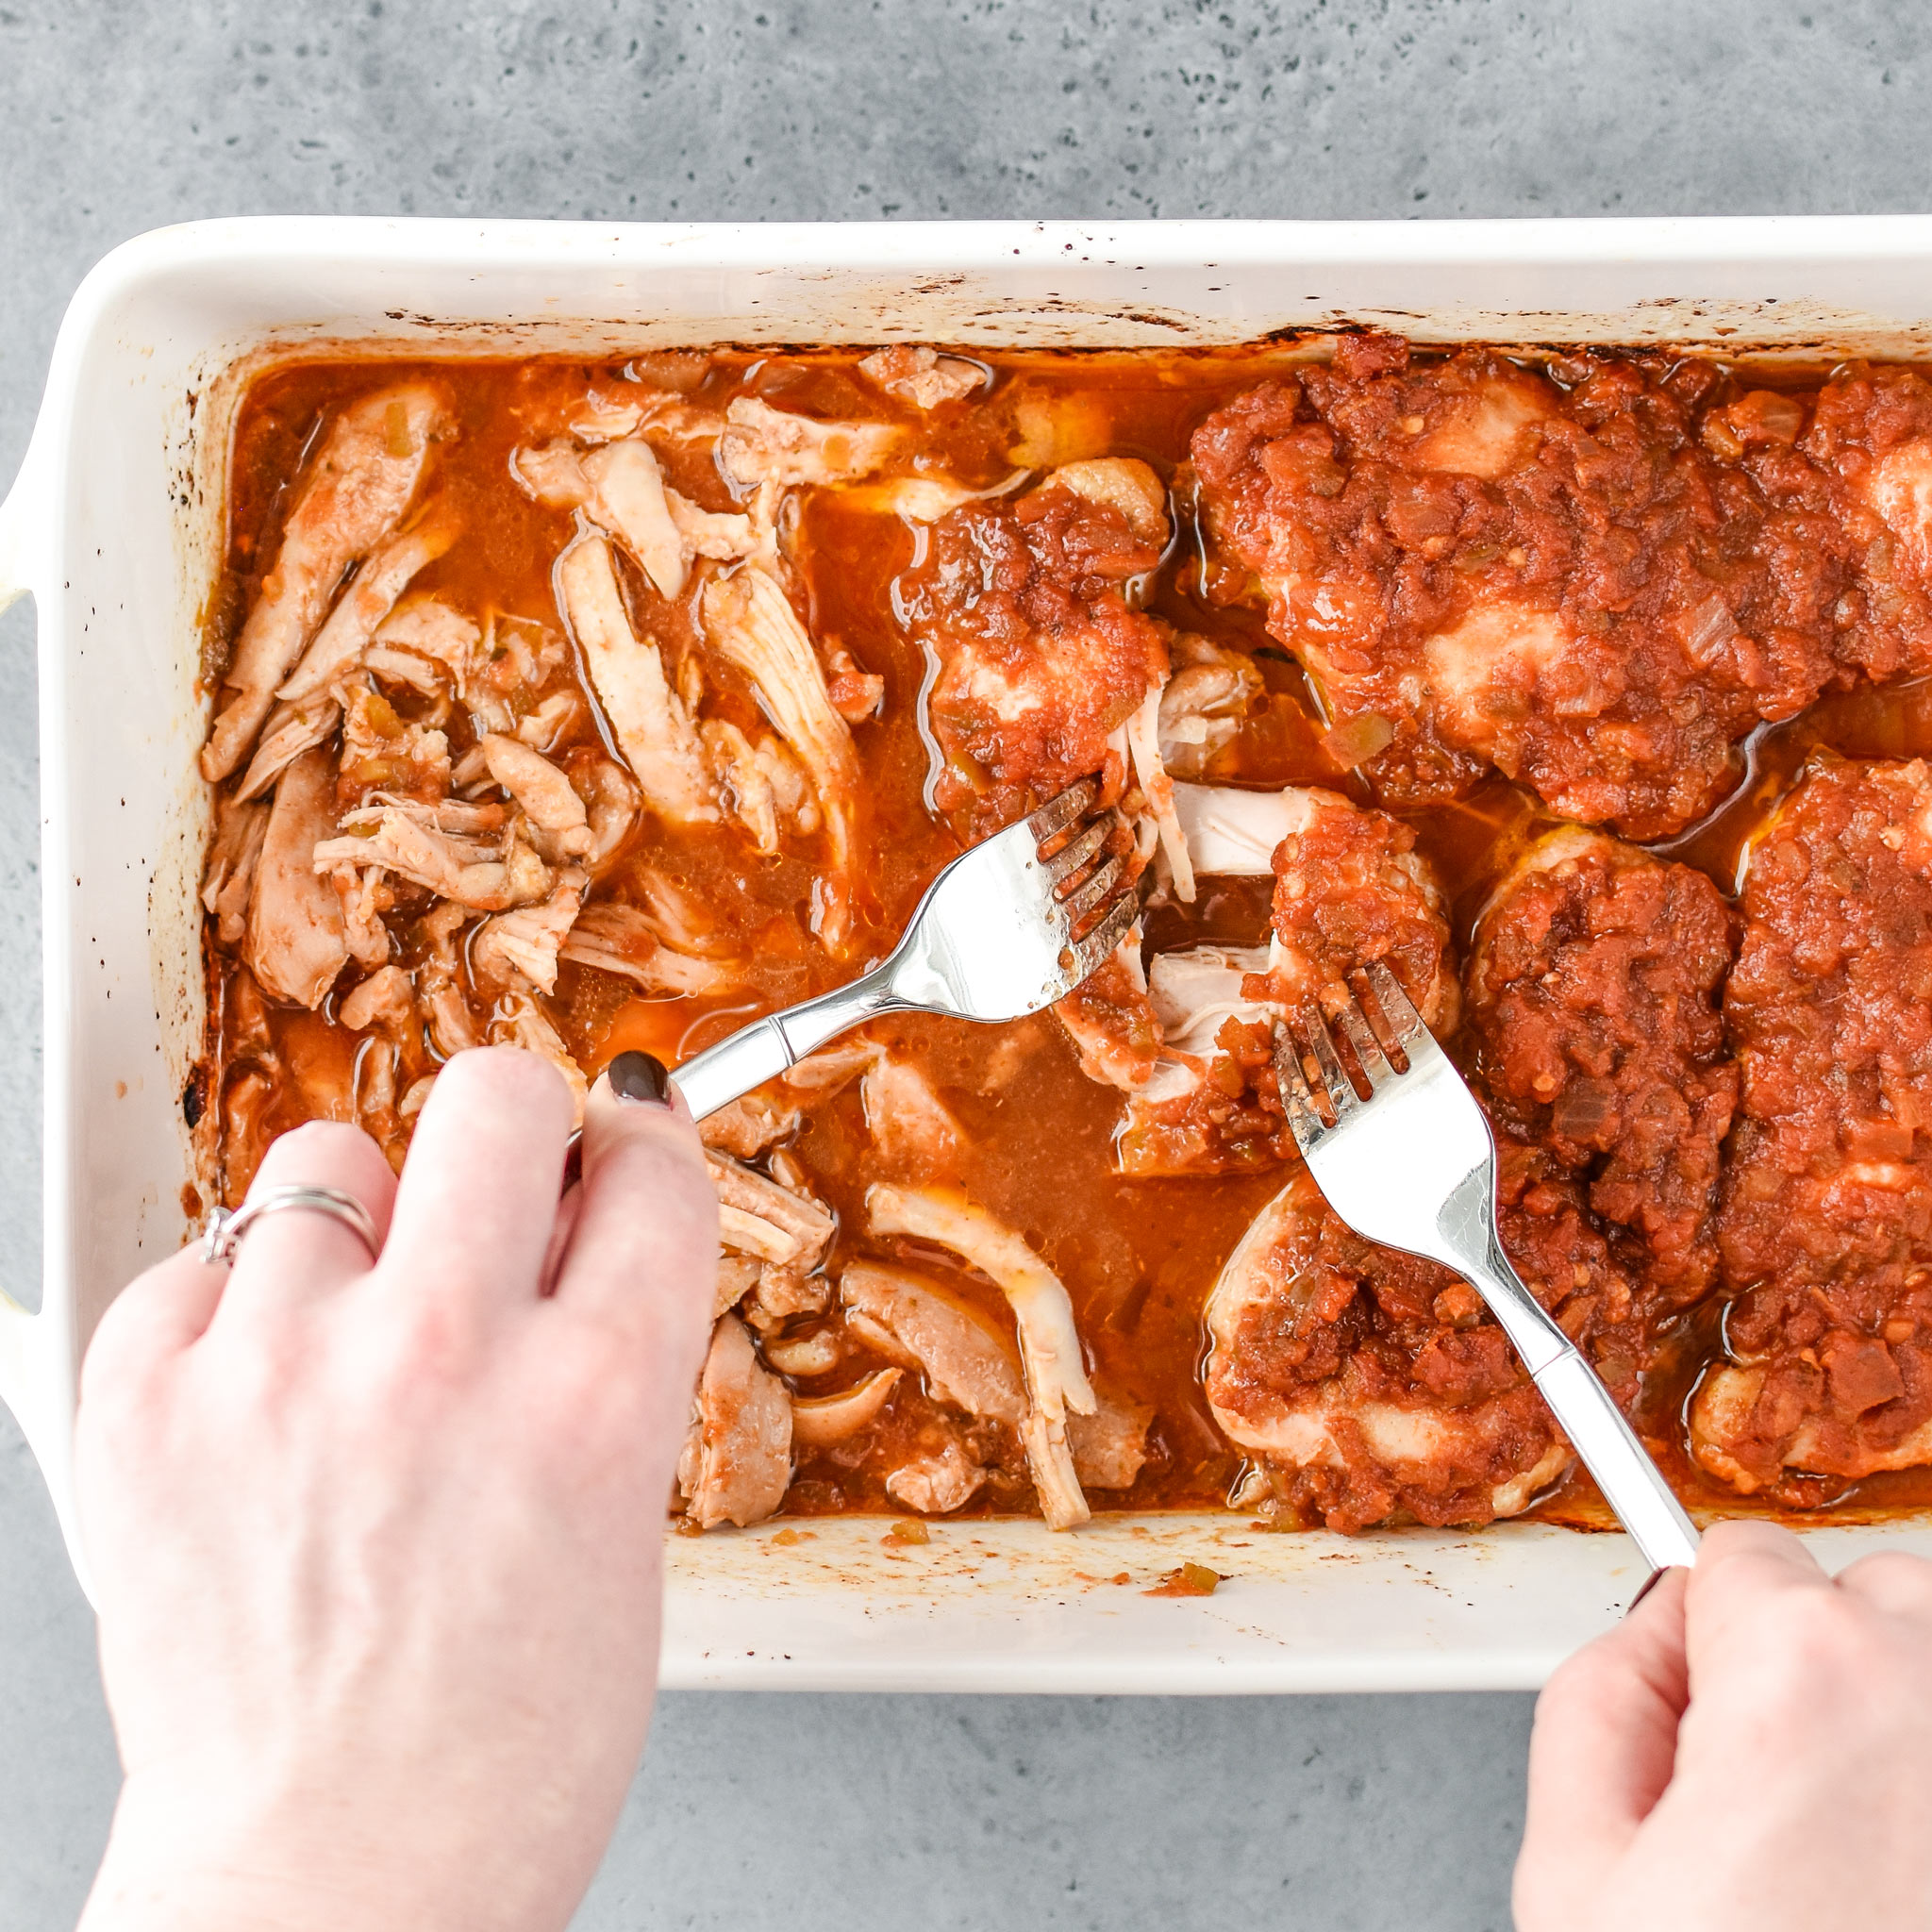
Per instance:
(226,1226)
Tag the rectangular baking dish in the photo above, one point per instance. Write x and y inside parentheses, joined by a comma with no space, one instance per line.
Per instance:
(113,527)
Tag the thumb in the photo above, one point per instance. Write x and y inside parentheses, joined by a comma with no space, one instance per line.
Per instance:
(643,1251)
(1601,1754)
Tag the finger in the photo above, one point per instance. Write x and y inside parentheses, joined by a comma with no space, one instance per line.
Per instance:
(1601,1754)
(568,1210)
(1738,1563)
(154,1318)
(478,1196)
(297,1253)
(1892,1581)
(644,1253)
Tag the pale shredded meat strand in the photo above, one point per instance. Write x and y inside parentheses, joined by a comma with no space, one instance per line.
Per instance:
(361,483)
(750,622)
(526,940)
(542,791)
(736,1462)
(920,1324)
(652,725)
(762,444)
(820,1420)
(1043,1312)
(488,877)
(295,944)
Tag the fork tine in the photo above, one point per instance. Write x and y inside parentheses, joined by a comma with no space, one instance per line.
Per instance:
(1304,1120)
(1077,852)
(1341,1094)
(1417,1046)
(1368,1049)
(1097,889)
(1404,1020)
(1057,814)
(1090,952)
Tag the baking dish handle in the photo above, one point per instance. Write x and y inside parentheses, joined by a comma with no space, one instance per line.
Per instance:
(21,518)
(27,1385)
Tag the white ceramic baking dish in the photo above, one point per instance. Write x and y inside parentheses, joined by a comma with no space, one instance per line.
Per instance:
(112,526)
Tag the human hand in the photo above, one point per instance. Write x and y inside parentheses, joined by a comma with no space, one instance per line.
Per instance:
(377,1549)
(1750,1749)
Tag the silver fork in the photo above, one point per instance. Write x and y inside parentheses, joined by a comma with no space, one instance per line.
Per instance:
(1413,1166)
(1002,932)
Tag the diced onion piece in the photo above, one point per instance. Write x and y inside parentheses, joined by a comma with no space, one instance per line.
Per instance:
(1355,741)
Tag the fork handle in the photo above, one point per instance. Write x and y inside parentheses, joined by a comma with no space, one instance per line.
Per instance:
(1632,1484)
(767,1047)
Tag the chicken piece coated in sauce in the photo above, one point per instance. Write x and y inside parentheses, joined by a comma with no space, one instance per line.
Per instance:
(1827,1221)
(1863,467)
(1593,988)
(1042,659)
(1368,1386)
(1480,567)
(1350,889)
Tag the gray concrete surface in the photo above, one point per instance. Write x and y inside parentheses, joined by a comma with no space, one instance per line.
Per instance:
(764,1811)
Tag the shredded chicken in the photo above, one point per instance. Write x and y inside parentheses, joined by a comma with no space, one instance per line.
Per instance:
(361,483)
(923,377)
(361,608)
(1197,990)
(513,659)
(627,940)
(382,749)
(760,1217)
(937,1482)
(915,1322)
(762,784)
(1049,1344)
(750,1125)
(736,1462)
(912,1129)
(751,624)
(424,643)
(544,793)
(526,940)
(294,944)
(819,1420)
(487,875)
(518,1020)
(366,896)
(605,415)
(1204,704)
(452,1025)
(1110,1445)
(803,1357)
(290,730)
(652,725)
(762,444)
(233,855)
(610,808)
(1144,741)
(621,488)
(384,999)
(1235,833)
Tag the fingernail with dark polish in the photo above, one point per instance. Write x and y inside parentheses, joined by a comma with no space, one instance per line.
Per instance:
(640,1076)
